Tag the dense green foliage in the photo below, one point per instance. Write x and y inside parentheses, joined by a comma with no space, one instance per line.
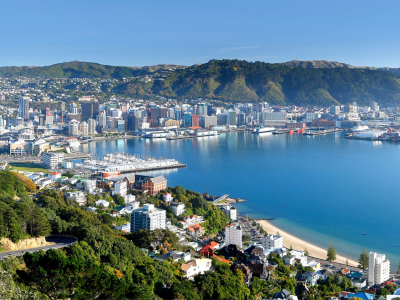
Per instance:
(244,81)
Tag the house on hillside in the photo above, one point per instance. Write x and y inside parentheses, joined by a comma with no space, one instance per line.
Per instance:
(195,267)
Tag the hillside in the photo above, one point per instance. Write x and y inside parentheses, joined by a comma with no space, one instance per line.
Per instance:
(242,81)
(315,64)
(76,69)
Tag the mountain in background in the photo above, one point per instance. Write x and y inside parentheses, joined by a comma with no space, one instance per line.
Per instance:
(242,81)
(296,82)
(76,69)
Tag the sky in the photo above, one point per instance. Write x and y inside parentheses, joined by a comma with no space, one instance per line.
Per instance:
(139,33)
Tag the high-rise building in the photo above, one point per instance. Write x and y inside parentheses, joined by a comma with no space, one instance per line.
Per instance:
(163,112)
(207,121)
(374,106)
(187,119)
(23,111)
(178,115)
(101,121)
(52,159)
(120,125)
(73,128)
(73,109)
(195,120)
(334,110)
(96,108)
(222,119)
(233,235)
(84,128)
(241,118)
(202,109)
(378,268)
(148,217)
(130,126)
(92,126)
(86,110)
(231,115)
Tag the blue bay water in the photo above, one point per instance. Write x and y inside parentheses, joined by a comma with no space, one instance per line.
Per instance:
(316,188)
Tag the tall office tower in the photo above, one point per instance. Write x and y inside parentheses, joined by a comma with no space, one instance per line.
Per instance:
(241,118)
(24,108)
(163,112)
(86,110)
(195,121)
(73,109)
(222,119)
(231,114)
(148,217)
(92,126)
(130,126)
(96,108)
(101,121)
(178,115)
(187,119)
(171,113)
(378,268)
(260,107)
(202,109)
(208,121)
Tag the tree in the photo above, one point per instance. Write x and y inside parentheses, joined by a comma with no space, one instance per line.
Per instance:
(306,252)
(331,255)
(363,260)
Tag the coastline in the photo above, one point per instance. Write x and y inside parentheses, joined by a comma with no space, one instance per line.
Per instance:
(299,244)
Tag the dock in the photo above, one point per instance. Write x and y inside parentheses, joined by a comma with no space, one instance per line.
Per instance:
(176,166)
(183,137)
(321,132)
(281,131)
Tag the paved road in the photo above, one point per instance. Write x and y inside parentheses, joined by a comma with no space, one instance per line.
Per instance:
(60,242)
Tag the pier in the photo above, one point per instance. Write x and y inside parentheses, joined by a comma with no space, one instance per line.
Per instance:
(224,197)
(321,132)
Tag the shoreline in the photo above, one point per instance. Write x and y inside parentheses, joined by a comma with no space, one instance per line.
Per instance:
(299,244)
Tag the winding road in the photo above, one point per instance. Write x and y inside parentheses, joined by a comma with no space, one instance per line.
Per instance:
(59,242)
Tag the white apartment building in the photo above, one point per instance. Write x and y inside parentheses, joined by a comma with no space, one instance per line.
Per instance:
(378,269)
(121,188)
(148,217)
(84,128)
(52,159)
(230,211)
(272,241)
(73,128)
(178,208)
(233,235)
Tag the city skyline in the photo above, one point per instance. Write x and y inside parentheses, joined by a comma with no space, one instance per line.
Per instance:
(138,34)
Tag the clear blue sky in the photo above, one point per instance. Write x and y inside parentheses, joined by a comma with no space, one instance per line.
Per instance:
(138,33)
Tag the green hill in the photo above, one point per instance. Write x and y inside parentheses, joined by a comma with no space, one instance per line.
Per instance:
(242,81)
(77,69)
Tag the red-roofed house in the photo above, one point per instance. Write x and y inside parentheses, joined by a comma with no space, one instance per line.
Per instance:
(221,259)
(54,175)
(207,251)
(191,220)
(195,230)
(213,244)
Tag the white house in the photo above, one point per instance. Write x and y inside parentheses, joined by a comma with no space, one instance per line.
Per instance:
(272,241)
(129,199)
(299,256)
(104,202)
(124,227)
(191,220)
(78,197)
(54,175)
(167,197)
(178,208)
(86,184)
(195,267)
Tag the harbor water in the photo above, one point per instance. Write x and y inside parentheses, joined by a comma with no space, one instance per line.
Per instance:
(315,187)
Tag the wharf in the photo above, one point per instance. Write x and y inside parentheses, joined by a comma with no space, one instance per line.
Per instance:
(321,132)
(177,166)
(77,156)
(281,131)
(185,137)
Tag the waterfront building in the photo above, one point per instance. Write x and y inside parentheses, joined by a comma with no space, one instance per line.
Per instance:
(187,119)
(231,117)
(378,269)
(208,121)
(311,116)
(148,217)
(272,241)
(23,111)
(195,120)
(222,119)
(51,160)
(233,235)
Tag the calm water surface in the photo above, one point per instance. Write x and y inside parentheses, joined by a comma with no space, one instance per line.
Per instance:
(317,188)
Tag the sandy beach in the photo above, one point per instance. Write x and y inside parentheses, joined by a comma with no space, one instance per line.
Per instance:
(298,244)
